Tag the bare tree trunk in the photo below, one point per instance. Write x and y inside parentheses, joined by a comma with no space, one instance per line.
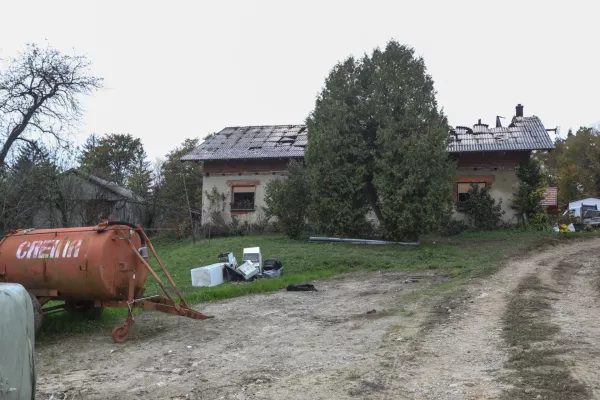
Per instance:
(16,132)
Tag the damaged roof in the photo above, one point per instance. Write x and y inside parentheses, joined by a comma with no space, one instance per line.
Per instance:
(252,142)
(524,133)
(290,141)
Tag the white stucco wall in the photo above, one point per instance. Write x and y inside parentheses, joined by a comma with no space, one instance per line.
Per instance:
(219,182)
(503,188)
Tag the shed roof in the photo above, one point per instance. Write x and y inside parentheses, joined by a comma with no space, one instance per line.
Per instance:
(524,133)
(252,142)
(107,185)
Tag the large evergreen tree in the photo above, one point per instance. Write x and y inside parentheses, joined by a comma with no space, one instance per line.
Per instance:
(377,142)
(530,193)
(337,154)
(139,180)
(28,188)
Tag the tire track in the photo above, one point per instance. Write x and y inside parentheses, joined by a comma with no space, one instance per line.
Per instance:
(514,338)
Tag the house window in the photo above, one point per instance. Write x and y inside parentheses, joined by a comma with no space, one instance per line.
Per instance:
(462,189)
(243,198)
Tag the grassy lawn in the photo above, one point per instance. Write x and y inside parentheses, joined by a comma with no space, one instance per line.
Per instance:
(465,255)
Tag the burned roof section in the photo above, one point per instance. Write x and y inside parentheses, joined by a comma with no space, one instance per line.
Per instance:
(252,142)
(524,133)
(290,141)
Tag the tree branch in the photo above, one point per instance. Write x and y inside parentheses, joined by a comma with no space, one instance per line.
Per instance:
(40,90)
(32,143)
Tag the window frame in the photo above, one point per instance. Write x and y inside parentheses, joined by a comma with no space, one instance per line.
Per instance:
(460,204)
(243,189)
(475,179)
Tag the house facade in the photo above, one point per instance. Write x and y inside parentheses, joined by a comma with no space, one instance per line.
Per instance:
(489,156)
(238,162)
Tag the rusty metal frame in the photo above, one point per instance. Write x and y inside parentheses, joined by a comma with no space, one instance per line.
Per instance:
(162,266)
(158,303)
(166,303)
(44,300)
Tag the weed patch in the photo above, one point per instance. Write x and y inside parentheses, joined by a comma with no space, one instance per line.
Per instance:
(538,369)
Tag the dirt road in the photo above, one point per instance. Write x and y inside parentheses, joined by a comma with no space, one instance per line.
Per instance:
(530,331)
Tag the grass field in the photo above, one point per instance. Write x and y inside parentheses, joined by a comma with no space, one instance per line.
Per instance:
(465,255)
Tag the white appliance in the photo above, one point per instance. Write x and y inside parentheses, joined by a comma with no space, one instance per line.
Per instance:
(211,275)
(228,258)
(248,270)
(253,255)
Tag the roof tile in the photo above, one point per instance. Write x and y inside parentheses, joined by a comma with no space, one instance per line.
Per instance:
(524,133)
(289,141)
(248,142)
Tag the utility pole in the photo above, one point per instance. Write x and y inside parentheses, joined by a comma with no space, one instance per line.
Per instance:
(187,199)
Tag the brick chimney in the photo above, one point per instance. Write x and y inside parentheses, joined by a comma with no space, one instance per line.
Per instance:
(519,109)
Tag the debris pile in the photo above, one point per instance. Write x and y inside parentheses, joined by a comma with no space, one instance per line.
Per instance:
(227,268)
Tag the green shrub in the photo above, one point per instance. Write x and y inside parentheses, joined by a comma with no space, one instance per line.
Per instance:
(527,201)
(288,199)
(454,227)
(482,210)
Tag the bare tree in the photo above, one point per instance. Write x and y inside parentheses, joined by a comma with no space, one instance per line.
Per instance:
(39,96)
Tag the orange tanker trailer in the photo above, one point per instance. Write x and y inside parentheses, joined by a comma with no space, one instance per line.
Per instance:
(88,268)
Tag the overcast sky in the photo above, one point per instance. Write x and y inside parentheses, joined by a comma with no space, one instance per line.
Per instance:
(178,69)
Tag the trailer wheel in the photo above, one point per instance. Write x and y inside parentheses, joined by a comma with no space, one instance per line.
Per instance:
(38,317)
(84,309)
